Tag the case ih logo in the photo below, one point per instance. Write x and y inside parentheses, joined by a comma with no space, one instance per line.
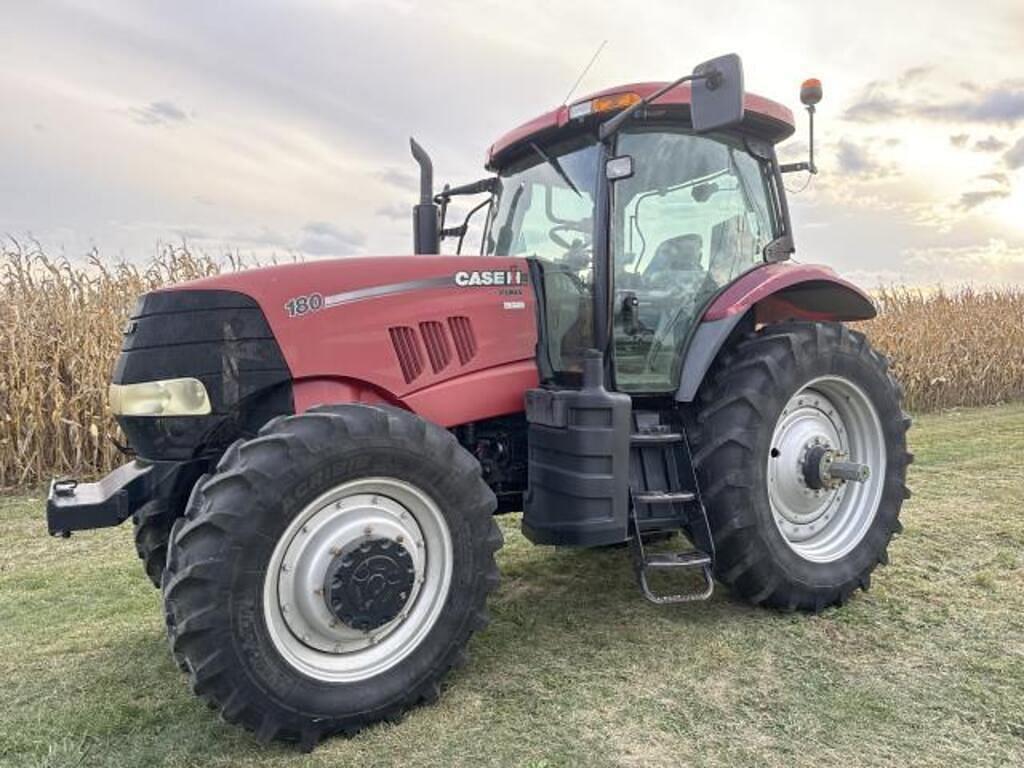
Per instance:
(489,277)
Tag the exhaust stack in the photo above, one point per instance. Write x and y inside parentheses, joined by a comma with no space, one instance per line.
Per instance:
(426,235)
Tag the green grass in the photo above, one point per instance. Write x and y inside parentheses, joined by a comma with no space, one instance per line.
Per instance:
(926,669)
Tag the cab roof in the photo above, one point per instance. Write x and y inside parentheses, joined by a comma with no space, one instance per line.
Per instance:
(764,117)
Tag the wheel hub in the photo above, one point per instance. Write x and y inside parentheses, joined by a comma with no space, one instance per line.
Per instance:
(824,469)
(358,578)
(369,585)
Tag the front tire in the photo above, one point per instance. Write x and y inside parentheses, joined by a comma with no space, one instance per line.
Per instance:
(331,572)
(151,524)
(782,537)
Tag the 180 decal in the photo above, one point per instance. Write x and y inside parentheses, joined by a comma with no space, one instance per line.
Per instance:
(303,305)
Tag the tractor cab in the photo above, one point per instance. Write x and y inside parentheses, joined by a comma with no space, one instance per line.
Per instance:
(685,215)
(632,232)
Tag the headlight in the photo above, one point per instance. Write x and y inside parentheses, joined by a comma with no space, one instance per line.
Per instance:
(171,397)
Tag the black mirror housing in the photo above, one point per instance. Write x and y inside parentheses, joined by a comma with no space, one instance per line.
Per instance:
(716,99)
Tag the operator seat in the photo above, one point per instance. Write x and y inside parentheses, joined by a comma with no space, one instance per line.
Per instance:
(677,254)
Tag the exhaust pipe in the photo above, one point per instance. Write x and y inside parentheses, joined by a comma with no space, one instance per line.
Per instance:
(426,234)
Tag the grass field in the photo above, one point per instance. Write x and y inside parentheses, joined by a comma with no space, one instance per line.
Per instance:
(927,669)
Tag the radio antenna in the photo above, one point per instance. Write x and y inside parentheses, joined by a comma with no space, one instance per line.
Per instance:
(584,72)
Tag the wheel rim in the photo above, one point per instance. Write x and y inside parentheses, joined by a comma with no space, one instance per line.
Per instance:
(825,524)
(365,522)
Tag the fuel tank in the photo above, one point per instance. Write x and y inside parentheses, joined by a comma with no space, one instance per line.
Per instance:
(450,337)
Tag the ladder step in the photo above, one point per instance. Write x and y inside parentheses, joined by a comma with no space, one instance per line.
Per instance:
(655,438)
(690,559)
(663,497)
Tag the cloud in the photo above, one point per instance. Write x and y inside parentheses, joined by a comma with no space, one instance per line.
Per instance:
(971,200)
(159,113)
(873,107)
(991,144)
(913,74)
(959,140)
(396,211)
(855,160)
(320,238)
(1002,103)
(399,178)
(1014,156)
(192,233)
(316,238)
(994,262)
(997,177)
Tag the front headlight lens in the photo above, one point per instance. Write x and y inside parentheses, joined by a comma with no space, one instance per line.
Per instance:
(171,397)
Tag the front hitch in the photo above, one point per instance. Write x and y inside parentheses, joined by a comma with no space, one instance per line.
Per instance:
(74,506)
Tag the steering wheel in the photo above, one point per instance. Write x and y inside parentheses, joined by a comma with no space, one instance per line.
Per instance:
(555,233)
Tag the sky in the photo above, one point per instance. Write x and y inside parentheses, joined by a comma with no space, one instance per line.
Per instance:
(282,127)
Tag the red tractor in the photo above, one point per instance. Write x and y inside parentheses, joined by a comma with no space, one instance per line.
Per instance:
(321,447)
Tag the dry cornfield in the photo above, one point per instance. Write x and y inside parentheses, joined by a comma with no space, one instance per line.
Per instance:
(61,322)
(952,348)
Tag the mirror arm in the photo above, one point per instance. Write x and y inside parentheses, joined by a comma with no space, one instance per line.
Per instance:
(609,127)
(810,164)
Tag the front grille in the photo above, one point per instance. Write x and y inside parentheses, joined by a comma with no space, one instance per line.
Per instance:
(219,337)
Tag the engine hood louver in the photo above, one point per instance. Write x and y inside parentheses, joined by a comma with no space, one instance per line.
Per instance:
(429,344)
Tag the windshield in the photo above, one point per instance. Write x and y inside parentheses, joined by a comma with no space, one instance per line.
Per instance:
(545,209)
(545,204)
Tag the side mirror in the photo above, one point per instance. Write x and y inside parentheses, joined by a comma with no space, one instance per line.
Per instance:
(716,99)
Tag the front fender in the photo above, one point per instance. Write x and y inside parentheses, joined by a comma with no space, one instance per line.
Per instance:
(773,292)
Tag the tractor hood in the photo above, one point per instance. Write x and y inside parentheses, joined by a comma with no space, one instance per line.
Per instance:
(399,329)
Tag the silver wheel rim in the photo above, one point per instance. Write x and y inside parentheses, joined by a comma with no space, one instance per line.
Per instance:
(824,525)
(301,626)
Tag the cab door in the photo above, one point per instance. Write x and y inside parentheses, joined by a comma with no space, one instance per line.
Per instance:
(693,216)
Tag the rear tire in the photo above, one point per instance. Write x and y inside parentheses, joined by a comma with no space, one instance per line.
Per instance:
(286,661)
(795,546)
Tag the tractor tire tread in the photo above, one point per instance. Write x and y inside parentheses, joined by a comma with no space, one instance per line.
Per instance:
(198,573)
(733,406)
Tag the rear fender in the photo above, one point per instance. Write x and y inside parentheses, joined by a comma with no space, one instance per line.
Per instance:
(769,294)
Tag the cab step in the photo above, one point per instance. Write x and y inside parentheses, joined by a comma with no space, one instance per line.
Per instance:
(664,497)
(644,562)
(690,559)
(643,439)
